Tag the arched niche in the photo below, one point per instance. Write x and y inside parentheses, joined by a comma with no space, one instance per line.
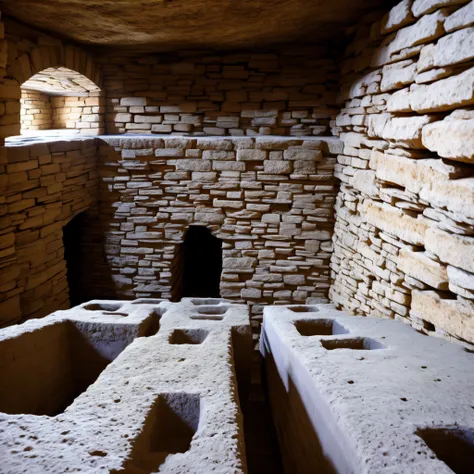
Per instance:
(61,99)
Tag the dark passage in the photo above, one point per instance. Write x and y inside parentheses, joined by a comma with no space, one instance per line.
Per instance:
(198,266)
(72,235)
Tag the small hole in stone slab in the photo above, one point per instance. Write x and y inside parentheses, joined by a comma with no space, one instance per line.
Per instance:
(98,453)
(424,367)
(404,399)
(350,382)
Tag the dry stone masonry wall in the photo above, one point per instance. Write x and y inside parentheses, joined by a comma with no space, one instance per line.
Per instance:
(286,92)
(404,236)
(43,186)
(270,200)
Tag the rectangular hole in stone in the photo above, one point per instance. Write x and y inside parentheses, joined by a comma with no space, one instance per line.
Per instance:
(148,301)
(188,336)
(207,301)
(356,343)
(303,309)
(319,327)
(453,446)
(51,366)
(212,310)
(151,325)
(169,429)
(200,317)
(103,306)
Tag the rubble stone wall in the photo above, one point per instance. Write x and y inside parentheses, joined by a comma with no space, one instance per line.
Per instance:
(43,186)
(404,234)
(290,91)
(270,200)
(36,112)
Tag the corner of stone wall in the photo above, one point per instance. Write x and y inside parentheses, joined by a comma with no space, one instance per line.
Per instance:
(404,234)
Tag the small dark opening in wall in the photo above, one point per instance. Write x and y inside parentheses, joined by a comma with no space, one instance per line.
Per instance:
(198,266)
(453,446)
(74,256)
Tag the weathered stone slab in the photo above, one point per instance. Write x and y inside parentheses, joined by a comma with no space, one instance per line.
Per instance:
(394,221)
(453,316)
(330,393)
(418,265)
(457,250)
(452,137)
(451,49)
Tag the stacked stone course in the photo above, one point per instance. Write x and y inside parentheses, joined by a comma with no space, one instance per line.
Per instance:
(404,235)
(290,91)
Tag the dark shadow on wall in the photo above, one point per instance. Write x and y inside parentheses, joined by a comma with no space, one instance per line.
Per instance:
(88,275)
(198,265)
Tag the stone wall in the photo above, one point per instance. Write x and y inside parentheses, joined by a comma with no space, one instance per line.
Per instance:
(83,114)
(36,112)
(42,186)
(285,92)
(270,201)
(404,235)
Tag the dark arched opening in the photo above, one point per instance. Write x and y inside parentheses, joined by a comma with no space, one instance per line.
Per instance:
(198,266)
(73,254)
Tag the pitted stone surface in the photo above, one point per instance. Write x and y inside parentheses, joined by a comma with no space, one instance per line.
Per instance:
(106,426)
(367,405)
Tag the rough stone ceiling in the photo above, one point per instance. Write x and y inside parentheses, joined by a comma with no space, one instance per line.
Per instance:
(170,24)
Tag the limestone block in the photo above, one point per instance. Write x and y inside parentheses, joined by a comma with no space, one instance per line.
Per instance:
(395,222)
(397,17)
(365,182)
(395,76)
(452,137)
(251,155)
(277,167)
(460,18)
(405,131)
(422,7)
(311,354)
(453,316)
(461,278)
(456,250)
(451,49)
(420,266)
(134,101)
(444,94)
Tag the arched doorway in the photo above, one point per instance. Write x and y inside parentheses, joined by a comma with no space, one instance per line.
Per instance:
(59,100)
(198,265)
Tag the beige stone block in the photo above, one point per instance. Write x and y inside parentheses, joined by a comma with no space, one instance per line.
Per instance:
(445,94)
(454,48)
(277,166)
(461,278)
(451,138)
(397,17)
(127,101)
(397,75)
(422,7)
(418,265)
(456,250)
(453,316)
(251,155)
(395,222)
